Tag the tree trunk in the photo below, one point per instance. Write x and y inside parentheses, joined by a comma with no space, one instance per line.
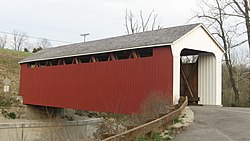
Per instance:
(232,80)
(247,21)
(227,57)
(248,30)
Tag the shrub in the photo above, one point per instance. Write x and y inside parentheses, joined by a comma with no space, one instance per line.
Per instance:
(6,101)
(36,49)
(26,50)
(108,127)
(11,115)
(154,105)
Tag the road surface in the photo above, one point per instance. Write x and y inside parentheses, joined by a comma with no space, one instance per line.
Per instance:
(218,124)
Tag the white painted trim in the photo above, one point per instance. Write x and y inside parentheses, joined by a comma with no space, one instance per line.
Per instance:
(197,39)
(75,55)
(176,78)
(210,35)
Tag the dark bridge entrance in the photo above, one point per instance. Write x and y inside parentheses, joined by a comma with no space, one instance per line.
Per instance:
(189,82)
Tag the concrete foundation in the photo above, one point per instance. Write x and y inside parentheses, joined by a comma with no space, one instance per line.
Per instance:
(44,131)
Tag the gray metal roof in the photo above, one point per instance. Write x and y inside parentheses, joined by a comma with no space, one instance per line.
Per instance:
(139,40)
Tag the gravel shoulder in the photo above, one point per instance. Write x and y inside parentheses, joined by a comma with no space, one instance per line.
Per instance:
(187,117)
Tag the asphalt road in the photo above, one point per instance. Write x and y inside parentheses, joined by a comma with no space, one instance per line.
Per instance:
(218,124)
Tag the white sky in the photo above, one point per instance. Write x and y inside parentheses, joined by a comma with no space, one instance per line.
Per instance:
(66,19)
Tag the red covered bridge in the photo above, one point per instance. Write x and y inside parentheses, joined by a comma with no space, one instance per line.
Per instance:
(116,74)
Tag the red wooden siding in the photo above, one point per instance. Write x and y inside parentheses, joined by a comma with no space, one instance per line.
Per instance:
(111,86)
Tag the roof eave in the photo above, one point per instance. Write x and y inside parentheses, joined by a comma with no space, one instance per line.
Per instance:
(92,53)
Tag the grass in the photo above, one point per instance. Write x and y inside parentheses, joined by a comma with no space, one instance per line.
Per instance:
(9,68)
(154,136)
(5,102)
(177,120)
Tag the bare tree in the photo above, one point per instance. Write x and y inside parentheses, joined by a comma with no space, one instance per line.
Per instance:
(131,24)
(3,41)
(215,15)
(44,43)
(19,39)
(240,9)
(135,25)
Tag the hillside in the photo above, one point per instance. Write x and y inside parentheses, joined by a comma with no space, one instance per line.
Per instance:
(10,68)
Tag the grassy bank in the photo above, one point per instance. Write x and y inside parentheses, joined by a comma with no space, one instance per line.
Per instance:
(10,68)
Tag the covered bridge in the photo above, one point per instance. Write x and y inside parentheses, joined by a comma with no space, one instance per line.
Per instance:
(117,74)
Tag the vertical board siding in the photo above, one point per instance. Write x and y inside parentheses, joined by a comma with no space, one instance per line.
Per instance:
(192,76)
(111,86)
(207,79)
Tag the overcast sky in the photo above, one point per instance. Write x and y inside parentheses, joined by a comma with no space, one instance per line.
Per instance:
(65,20)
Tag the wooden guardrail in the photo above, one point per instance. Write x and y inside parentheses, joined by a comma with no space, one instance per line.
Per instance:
(154,125)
